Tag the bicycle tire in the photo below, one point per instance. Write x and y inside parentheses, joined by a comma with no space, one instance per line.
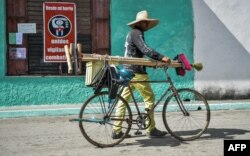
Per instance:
(198,113)
(97,128)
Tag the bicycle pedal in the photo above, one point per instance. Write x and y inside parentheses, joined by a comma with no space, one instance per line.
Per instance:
(138,133)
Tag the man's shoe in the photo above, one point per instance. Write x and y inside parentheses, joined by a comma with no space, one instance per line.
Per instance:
(155,133)
(119,135)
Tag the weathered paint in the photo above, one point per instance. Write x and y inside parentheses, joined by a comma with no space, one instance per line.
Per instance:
(38,90)
(174,34)
(33,90)
(222,45)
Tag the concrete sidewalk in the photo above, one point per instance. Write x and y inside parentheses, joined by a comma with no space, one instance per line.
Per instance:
(43,136)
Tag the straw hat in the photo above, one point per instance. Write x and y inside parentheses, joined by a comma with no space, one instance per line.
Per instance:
(143,16)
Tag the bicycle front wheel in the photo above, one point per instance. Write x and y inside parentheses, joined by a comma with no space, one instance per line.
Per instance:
(98,118)
(186,114)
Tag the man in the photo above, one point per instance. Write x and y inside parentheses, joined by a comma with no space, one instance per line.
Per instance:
(136,47)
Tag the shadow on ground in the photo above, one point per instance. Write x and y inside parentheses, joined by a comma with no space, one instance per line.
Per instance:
(223,133)
(211,133)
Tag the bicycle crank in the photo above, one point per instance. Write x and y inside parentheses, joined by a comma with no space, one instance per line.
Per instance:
(143,121)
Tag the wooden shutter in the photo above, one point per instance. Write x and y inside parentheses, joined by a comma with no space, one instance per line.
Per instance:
(100,27)
(93,33)
(16,13)
(35,15)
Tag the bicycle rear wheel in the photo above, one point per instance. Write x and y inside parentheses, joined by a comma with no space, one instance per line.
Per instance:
(95,123)
(186,114)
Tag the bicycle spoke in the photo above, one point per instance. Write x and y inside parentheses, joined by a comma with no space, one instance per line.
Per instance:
(192,125)
(97,126)
(102,105)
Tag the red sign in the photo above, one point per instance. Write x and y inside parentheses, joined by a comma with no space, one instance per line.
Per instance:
(59,29)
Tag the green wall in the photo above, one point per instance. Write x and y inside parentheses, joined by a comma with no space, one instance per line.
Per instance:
(174,34)
(38,90)
(2,38)
(32,90)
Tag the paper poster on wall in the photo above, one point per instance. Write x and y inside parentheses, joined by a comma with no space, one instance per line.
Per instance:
(59,29)
(26,28)
(16,38)
(12,38)
(17,53)
(19,38)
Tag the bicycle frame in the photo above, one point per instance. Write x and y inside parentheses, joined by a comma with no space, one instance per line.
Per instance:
(170,88)
(176,106)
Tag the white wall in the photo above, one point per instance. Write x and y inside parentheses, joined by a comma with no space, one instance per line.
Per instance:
(222,44)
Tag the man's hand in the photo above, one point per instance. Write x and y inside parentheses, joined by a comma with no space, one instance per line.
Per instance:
(166,60)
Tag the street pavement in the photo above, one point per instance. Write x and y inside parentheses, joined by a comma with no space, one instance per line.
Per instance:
(56,136)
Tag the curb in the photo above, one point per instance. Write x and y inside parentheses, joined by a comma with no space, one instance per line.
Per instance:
(63,110)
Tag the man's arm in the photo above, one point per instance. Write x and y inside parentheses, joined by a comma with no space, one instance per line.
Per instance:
(145,49)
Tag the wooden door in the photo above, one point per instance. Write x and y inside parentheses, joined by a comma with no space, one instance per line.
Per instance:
(16,13)
(100,27)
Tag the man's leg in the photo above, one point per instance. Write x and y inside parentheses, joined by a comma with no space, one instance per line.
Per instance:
(121,109)
(146,92)
(149,98)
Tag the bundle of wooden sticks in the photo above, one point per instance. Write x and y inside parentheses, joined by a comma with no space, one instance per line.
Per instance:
(81,57)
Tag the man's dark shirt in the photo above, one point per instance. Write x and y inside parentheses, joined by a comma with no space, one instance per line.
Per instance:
(136,47)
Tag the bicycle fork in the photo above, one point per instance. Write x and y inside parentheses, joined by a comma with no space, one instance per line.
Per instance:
(177,97)
(179,101)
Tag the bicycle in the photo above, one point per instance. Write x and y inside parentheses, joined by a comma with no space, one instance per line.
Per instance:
(186,114)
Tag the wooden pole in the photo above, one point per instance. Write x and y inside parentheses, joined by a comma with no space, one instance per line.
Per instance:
(79,50)
(110,59)
(128,60)
(69,61)
(75,58)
